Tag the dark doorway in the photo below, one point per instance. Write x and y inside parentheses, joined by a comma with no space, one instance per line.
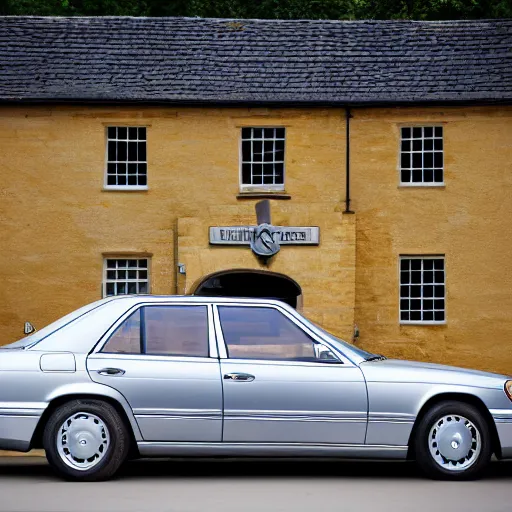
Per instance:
(250,283)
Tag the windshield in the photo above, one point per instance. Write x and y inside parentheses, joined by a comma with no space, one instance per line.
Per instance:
(359,351)
(37,336)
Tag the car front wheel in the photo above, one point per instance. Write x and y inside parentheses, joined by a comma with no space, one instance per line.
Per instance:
(453,442)
(86,440)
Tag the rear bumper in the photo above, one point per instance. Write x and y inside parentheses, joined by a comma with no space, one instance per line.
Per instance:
(503,421)
(17,426)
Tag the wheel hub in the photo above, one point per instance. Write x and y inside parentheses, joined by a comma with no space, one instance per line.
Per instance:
(454,442)
(83,440)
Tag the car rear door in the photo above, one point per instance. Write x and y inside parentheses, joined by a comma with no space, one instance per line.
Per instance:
(163,359)
(281,385)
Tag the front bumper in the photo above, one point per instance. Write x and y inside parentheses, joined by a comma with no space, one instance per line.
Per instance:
(503,421)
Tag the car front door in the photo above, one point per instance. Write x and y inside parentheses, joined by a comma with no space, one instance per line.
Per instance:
(282,385)
(159,356)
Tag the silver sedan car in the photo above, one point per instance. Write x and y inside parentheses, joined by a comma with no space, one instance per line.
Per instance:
(157,376)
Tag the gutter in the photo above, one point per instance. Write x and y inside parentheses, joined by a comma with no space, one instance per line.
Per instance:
(348,116)
(18,101)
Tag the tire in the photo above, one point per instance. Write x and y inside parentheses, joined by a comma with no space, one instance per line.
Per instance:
(86,440)
(450,429)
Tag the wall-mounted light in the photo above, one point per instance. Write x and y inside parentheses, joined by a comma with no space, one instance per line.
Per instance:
(182,269)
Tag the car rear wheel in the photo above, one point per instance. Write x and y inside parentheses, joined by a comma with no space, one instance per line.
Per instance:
(86,440)
(453,442)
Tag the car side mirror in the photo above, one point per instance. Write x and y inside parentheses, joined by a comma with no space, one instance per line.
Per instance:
(324,354)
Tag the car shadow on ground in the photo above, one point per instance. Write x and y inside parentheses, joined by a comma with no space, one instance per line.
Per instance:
(31,467)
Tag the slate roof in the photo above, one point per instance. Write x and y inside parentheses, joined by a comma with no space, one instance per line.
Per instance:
(192,60)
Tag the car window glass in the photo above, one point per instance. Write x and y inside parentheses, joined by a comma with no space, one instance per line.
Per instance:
(176,330)
(126,338)
(265,333)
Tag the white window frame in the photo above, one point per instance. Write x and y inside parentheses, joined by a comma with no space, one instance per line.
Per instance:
(422,257)
(263,187)
(431,184)
(126,187)
(106,281)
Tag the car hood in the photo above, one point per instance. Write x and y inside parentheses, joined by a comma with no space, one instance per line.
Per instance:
(394,370)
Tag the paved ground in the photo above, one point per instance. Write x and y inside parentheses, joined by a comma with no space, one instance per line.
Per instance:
(28,484)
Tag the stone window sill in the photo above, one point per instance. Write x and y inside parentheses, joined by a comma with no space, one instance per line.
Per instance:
(125,188)
(263,195)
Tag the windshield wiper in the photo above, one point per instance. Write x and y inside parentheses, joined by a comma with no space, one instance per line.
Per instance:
(376,357)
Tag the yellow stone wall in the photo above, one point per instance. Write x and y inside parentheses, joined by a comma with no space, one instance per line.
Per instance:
(56,222)
(469,221)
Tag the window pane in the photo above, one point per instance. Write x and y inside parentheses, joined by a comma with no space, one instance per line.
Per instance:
(422,287)
(246,151)
(121,151)
(257,151)
(176,330)
(264,333)
(124,276)
(406,160)
(259,146)
(428,159)
(268,154)
(132,151)
(111,151)
(112,132)
(246,174)
(126,338)
(279,180)
(406,176)
(142,151)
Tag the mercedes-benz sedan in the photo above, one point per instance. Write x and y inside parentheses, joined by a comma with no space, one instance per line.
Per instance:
(192,376)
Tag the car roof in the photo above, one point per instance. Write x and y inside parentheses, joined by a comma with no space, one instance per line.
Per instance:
(135,299)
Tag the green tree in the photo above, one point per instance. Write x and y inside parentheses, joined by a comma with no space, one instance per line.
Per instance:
(268,9)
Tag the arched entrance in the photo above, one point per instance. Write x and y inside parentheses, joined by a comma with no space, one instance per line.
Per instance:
(250,283)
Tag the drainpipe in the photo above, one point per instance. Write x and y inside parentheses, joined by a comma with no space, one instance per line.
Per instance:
(348,115)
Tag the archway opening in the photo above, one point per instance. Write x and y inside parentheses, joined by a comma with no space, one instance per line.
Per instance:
(251,283)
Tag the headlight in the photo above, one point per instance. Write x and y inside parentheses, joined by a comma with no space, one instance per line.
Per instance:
(508,389)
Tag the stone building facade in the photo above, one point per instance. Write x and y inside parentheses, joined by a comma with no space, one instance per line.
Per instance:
(115,172)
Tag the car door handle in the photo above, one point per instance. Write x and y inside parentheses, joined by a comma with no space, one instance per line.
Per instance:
(243,377)
(111,371)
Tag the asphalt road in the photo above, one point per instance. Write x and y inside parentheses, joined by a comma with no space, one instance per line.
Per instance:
(28,484)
